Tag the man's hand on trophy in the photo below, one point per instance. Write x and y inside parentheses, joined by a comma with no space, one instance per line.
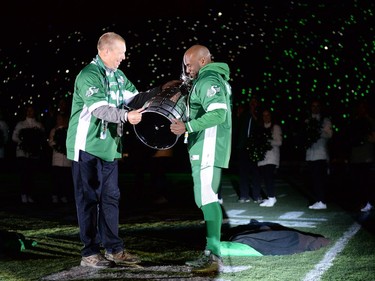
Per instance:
(177,127)
(171,84)
(135,116)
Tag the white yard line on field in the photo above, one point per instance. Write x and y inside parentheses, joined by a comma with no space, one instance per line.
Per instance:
(326,262)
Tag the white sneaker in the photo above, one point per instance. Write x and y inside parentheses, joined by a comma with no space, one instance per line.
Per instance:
(30,199)
(64,200)
(367,208)
(268,202)
(55,199)
(318,206)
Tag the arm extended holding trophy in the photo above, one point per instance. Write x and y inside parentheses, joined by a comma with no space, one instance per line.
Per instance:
(162,110)
(132,112)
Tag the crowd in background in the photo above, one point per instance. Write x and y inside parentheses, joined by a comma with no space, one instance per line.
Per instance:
(256,157)
(33,145)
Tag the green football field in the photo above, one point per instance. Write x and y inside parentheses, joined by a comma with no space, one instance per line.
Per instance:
(166,235)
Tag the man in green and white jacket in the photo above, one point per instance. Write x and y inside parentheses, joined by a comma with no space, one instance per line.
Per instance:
(209,130)
(93,142)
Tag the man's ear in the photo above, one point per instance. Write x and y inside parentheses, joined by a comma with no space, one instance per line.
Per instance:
(202,61)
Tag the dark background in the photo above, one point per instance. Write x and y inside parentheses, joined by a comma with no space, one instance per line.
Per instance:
(284,52)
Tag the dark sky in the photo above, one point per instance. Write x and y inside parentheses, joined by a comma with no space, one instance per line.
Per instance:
(29,18)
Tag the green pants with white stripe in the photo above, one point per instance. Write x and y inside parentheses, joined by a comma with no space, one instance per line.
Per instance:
(206,186)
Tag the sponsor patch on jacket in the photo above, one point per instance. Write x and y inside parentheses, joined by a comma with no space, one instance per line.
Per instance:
(213,90)
(194,157)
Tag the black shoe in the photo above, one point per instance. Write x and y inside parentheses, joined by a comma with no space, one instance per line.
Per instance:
(207,263)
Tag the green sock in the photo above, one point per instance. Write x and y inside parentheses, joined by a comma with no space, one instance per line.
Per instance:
(213,217)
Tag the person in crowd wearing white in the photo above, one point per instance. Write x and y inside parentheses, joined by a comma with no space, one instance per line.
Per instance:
(319,131)
(271,161)
(62,183)
(29,136)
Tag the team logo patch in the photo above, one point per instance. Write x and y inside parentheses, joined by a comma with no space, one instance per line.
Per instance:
(213,90)
(91,91)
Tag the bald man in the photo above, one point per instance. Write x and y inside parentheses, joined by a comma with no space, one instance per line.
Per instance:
(208,130)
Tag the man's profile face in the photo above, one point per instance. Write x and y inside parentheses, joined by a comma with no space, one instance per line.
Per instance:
(112,57)
(192,65)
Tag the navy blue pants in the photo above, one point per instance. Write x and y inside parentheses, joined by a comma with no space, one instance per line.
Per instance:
(97,197)
(248,173)
(267,173)
(318,179)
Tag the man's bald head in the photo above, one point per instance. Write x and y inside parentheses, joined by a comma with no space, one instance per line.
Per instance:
(195,58)
(199,51)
